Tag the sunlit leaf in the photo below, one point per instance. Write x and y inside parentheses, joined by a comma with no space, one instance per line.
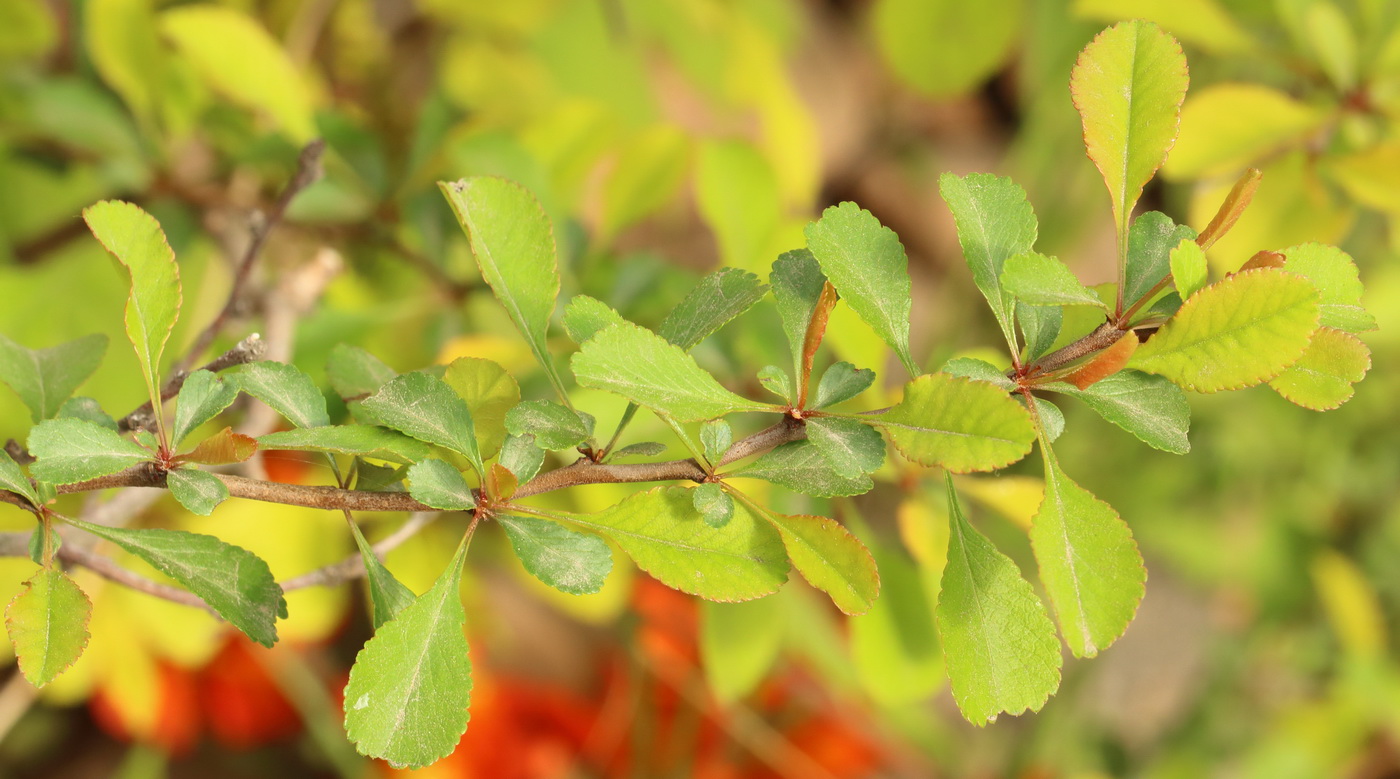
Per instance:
(958,64)
(585,317)
(866,263)
(830,559)
(1334,274)
(714,504)
(48,625)
(1045,281)
(73,450)
(1089,562)
(490,393)
(959,424)
(998,643)
(387,595)
(995,222)
(1234,333)
(409,689)
(797,281)
(521,457)
(45,378)
(1128,85)
(1189,268)
(716,437)
(1150,407)
(569,561)
(14,480)
(1321,379)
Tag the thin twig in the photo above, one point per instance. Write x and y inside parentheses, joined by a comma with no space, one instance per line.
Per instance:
(308,171)
(248,350)
(108,568)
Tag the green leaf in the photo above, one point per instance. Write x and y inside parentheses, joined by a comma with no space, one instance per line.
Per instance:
(135,239)
(981,370)
(959,63)
(234,582)
(354,372)
(714,504)
(642,449)
(202,398)
(802,467)
(409,689)
(1041,326)
(959,424)
(1189,269)
(14,480)
(387,595)
(423,406)
(841,382)
(1052,419)
(196,490)
(830,559)
(87,410)
(995,222)
(718,298)
(355,440)
(1235,333)
(236,56)
(1221,133)
(998,643)
(1151,240)
(852,447)
(797,282)
(286,390)
(1045,281)
(1321,379)
(739,643)
(514,246)
(585,317)
(643,367)
(437,484)
(553,426)
(48,624)
(866,263)
(521,457)
(1334,274)
(72,450)
(667,538)
(44,378)
(1128,85)
(716,437)
(776,381)
(1089,562)
(569,561)
(1150,407)
(490,393)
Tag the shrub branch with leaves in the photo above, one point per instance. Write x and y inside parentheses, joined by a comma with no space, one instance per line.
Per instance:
(463,440)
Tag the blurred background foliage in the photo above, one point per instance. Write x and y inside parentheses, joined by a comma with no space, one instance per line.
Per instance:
(665,138)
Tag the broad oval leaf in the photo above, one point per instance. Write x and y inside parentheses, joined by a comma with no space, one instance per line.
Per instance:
(567,560)
(135,239)
(830,559)
(959,424)
(426,408)
(998,643)
(714,504)
(1338,282)
(45,378)
(1150,407)
(866,263)
(409,689)
(718,298)
(521,457)
(201,398)
(48,625)
(553,426)
(356,440)
(586,316)
(1321,379)
(435,483)
(490,393)
(199,491)
(852,447)
(234,582)
(644,368)
(841,382)
(661,530)
(1045,281)
(1089,562)
(1128,85)
(1234,333)
(513,243)
(287,390)
(74,450)
(801,467)
(995,222)
(14,480)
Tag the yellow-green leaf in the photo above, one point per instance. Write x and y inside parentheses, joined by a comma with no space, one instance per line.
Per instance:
(1128,85)
(831,559)
(1226,127)
(959,424)
(1235,333)
(1321,379)
(237,57)
(48,624)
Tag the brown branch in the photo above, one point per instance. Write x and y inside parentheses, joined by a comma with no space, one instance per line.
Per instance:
(1104,336)
(308,171)
(248,350)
